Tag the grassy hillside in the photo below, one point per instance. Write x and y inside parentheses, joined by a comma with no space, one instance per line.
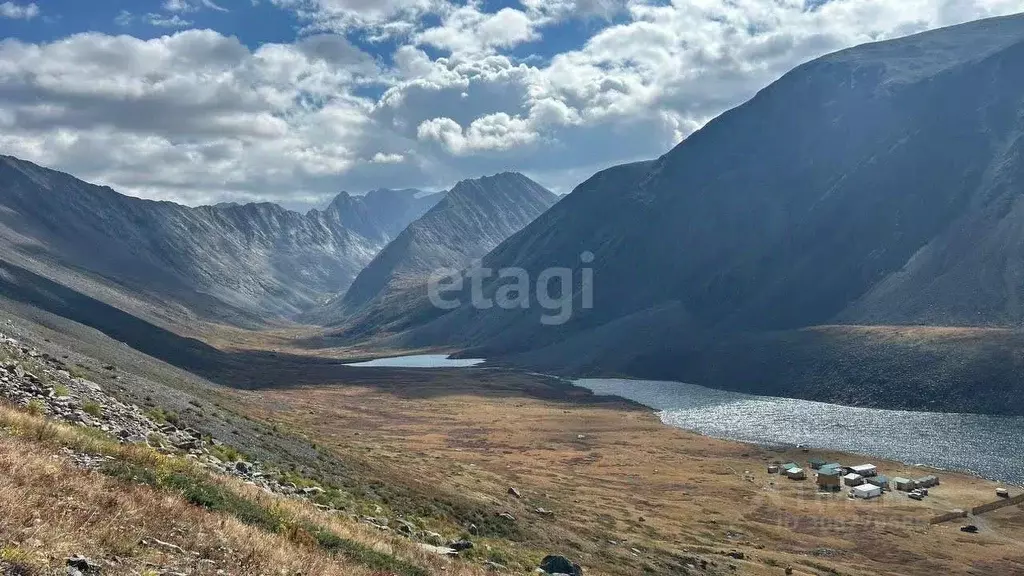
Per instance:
(138,512)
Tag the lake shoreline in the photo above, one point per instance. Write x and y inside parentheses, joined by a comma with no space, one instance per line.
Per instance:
(820,443)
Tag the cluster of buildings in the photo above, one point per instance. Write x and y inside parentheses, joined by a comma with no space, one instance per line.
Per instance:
(864,480)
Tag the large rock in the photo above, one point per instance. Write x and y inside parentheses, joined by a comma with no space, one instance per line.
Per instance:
(560,565)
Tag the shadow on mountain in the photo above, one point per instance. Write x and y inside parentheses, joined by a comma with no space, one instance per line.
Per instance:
(254,370)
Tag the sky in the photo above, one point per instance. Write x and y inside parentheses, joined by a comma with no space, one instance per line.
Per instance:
(293,101)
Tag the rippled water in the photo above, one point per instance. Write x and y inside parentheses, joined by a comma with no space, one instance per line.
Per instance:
(420,361)
(990,446)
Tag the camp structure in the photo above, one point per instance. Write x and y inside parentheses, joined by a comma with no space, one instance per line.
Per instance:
(865,470)
(904,484)
(829,480)
(866,491)
(852,479)
(796,473)
(880,481)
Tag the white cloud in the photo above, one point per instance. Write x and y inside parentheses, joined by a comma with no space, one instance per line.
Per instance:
(173,21)
(467,30)
(382,18)
(382,158)
(198,116)
(193,116)
(192,5)
(19,11)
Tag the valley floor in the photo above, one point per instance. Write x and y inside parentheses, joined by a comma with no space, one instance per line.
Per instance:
(628,495)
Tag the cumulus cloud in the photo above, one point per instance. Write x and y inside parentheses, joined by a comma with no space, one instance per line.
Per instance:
(19,11)
(191,116)
(467,30)
(382,18)
(199,117)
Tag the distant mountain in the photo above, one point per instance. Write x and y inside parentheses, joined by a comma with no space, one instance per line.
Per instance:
(235,263)
(879,185)
(382,214)
(473,218)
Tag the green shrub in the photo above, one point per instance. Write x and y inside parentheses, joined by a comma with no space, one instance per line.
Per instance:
(161,416)
(61,391)
(36,407)
(228,453)
(92,409)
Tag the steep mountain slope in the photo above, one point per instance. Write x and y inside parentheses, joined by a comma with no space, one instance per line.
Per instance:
(881,184)
(234,263)
(382,214)
(474,217)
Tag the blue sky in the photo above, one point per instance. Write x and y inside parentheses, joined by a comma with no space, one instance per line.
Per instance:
(202,101)
(253,24)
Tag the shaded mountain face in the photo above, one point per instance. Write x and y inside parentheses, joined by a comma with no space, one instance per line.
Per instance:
(880,184)
(473,218)
(382,214)
(234,263)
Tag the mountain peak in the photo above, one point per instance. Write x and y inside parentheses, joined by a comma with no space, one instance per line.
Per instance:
(474,217)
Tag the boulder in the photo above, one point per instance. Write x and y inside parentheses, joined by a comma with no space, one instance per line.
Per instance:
(82,565)
(406,527)
(560,565)
(433,538)
(460,545)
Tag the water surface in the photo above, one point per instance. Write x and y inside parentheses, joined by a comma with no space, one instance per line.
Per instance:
(420,361)
(989,446)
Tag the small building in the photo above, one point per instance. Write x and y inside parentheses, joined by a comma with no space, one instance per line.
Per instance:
(928,482)
(880,481)
(866,491)
(904,484)
(852,479)
(789,465)
(865,470)
(829,480)
(817,463)
(832,466)
(773,468)
(1002,492)
(796,473)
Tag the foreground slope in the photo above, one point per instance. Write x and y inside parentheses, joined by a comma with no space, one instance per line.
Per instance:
(879,185)
(235,263)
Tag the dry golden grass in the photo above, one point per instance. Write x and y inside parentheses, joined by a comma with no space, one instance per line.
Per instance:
(50,510)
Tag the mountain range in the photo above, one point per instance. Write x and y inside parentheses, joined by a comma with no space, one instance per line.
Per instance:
(239,264)
(881,185)
(249,265)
